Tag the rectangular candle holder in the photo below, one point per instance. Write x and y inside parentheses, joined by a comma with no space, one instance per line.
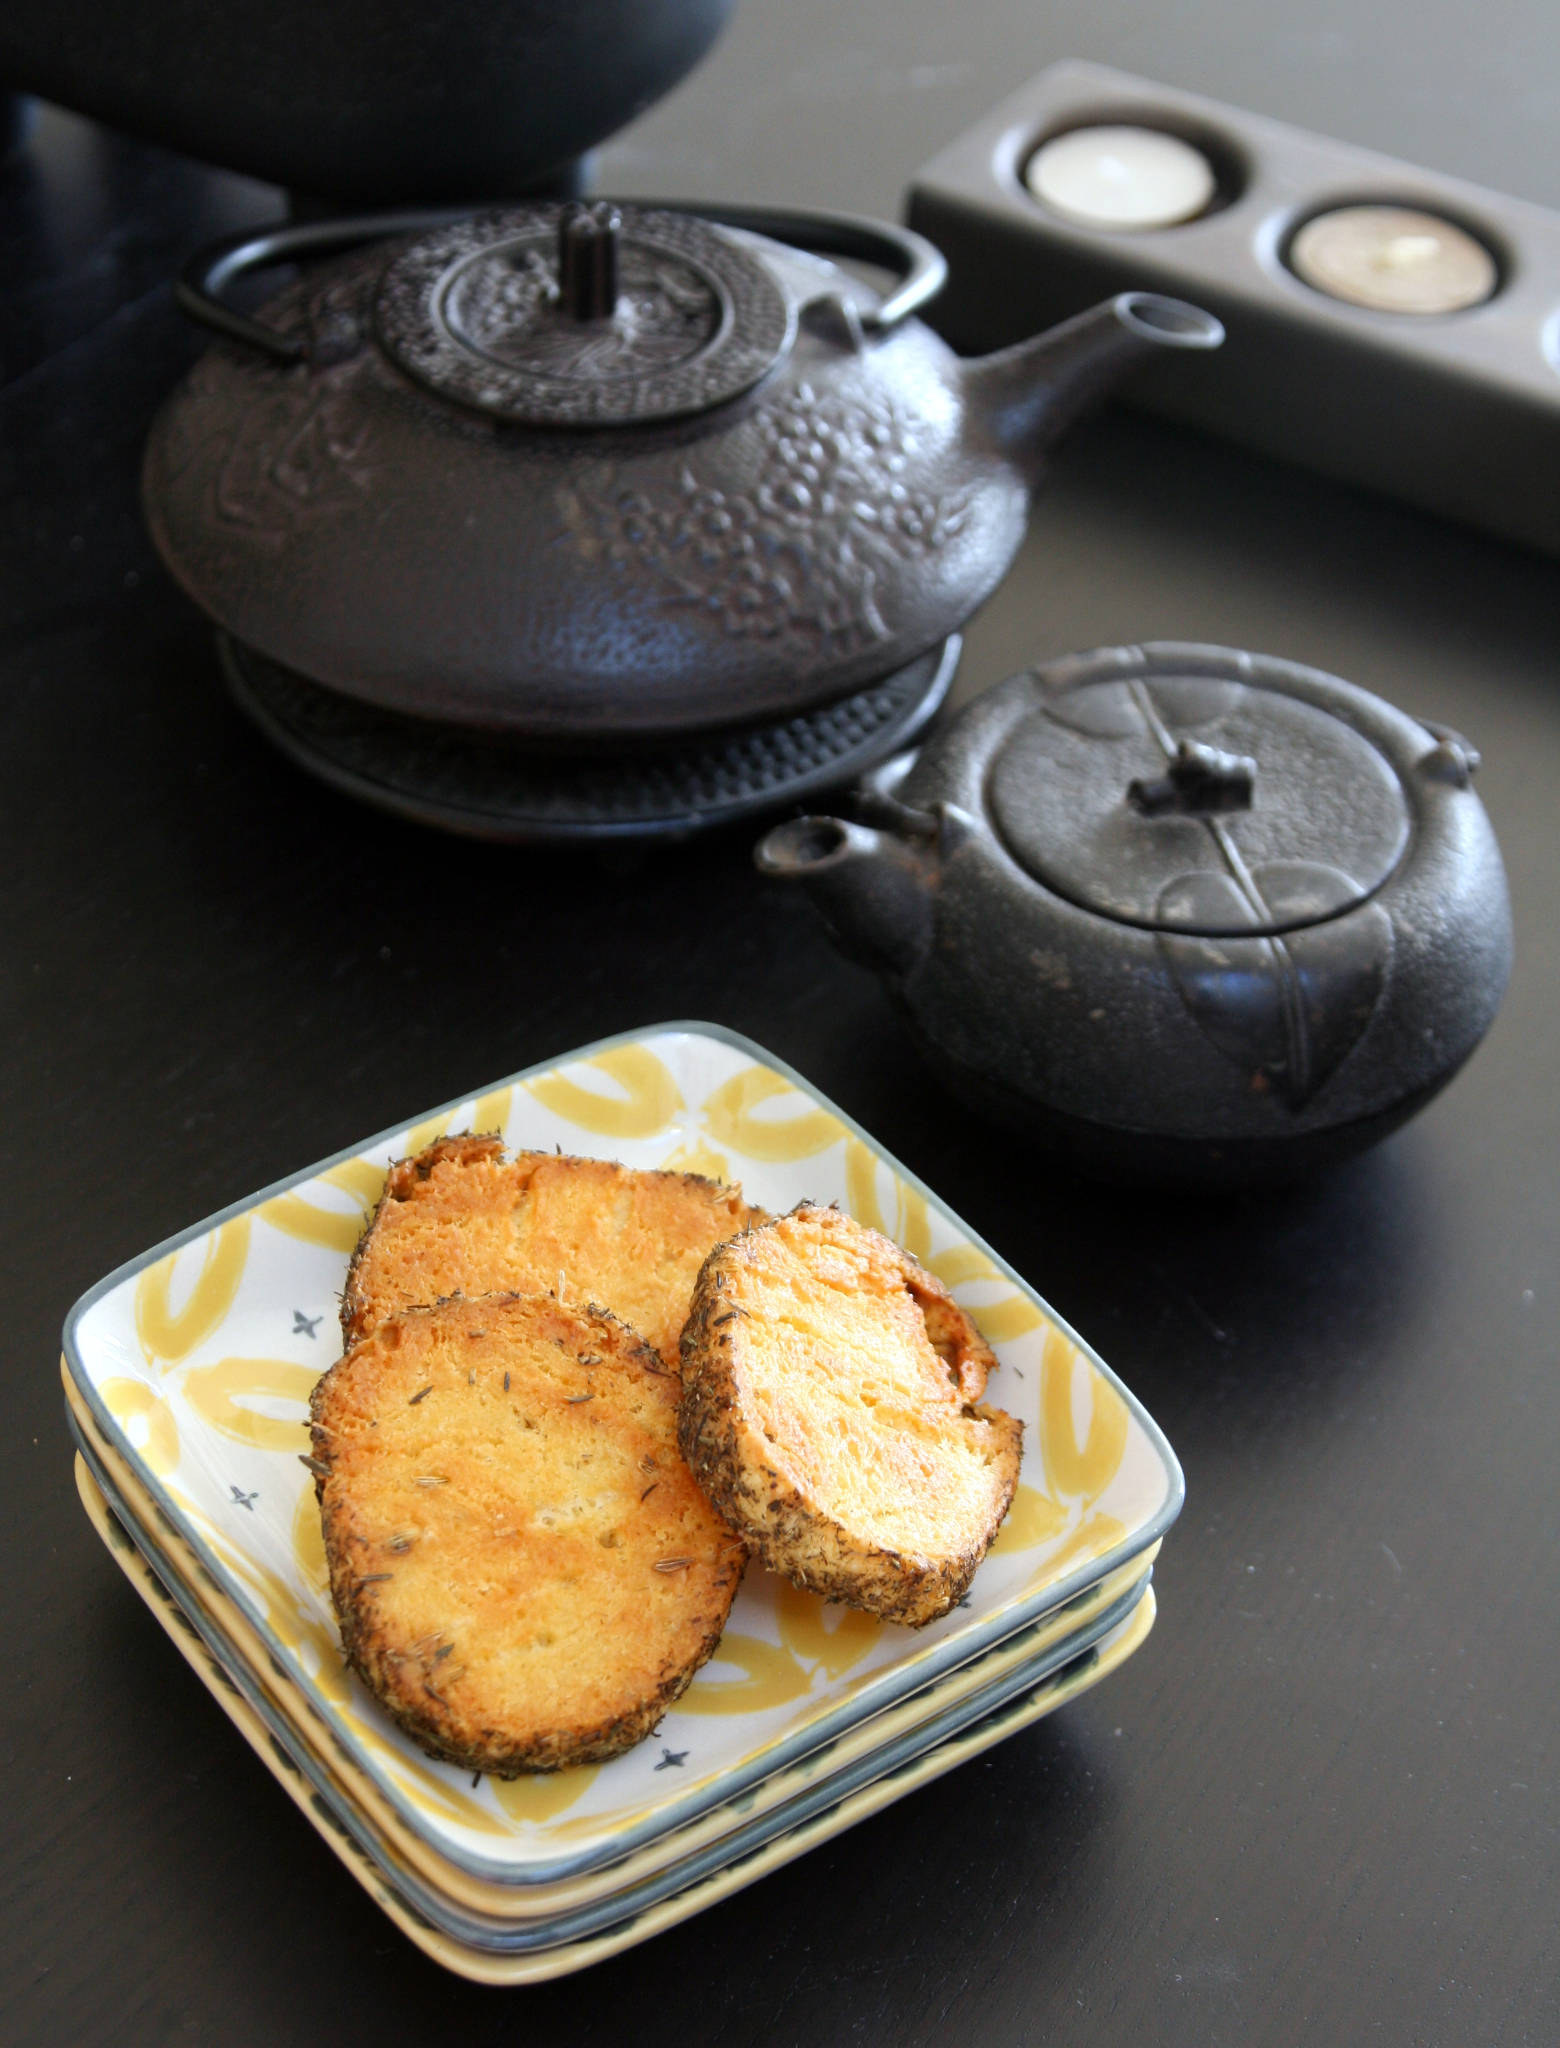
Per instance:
(1457,412)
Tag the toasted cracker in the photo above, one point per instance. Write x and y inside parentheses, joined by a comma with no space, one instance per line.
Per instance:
(525,1572)
(831,1412)
(461,1218)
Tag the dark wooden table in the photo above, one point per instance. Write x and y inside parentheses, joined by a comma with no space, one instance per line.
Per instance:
(1321,1805)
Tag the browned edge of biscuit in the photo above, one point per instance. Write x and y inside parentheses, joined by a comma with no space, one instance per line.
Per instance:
(465,1148)
(774,1518)
(353,1600)
(401,1178)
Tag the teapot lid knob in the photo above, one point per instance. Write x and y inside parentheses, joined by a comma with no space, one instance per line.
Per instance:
(595,316)
(1200,781)
(588,239)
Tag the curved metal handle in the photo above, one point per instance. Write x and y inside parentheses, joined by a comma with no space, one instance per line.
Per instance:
(920,265)
(201,285)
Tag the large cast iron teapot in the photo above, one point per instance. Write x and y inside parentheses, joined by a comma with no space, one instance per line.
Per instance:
(564,472)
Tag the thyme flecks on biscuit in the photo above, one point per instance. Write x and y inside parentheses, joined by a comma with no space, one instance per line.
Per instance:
(461,1218)
(525,1572)
(831,1411)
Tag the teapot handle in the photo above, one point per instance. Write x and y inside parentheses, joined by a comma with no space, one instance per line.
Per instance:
(919,264)
(200,290)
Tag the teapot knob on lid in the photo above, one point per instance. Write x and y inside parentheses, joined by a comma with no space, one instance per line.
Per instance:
(588,241)
(1199,782)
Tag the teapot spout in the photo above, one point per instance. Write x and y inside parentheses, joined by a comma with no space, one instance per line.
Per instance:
(1026,395)
(873,888)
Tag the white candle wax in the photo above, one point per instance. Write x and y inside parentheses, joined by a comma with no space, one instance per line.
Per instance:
(1119,177)
(1393,259)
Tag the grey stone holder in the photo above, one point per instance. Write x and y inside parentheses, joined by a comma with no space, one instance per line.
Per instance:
(1456,412)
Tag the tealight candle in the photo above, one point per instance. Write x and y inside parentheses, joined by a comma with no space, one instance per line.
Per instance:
(1120,177)
(1393,259)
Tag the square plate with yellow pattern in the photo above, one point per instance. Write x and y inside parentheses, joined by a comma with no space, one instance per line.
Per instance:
(534,1917)
(533,1966)
(1058,1636)
(197,1359)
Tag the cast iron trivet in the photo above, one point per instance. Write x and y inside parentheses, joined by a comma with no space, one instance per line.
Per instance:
(494,788)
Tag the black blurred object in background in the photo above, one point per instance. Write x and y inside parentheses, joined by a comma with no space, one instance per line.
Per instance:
(374,101)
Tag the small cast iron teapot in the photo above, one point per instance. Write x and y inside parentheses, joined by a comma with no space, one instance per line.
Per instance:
(562,472)
(1181,912)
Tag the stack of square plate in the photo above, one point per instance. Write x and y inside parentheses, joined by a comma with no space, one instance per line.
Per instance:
(187,1375)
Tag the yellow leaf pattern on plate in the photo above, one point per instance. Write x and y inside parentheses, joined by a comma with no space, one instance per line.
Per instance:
(436,1796)
(810,1637)
(1073,1469)
(169,1335)
(1032,1519)
(419,1136)
(130,1401)
(1009,1316)
(543,1794)
(492,1111)
(1094,1535)
(647,1104)
(308,1542)
(773,1677)
(313,1645)
(730,1118)
(915,1231)
(215,1393)
(697,1158)
(338,1230)
(909,1225)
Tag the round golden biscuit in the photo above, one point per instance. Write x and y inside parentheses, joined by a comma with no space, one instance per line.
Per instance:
(525,1573)
(461,1218)
(830,1410)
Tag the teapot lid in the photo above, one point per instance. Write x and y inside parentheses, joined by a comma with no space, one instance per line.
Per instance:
(604,315)
(1188,790)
